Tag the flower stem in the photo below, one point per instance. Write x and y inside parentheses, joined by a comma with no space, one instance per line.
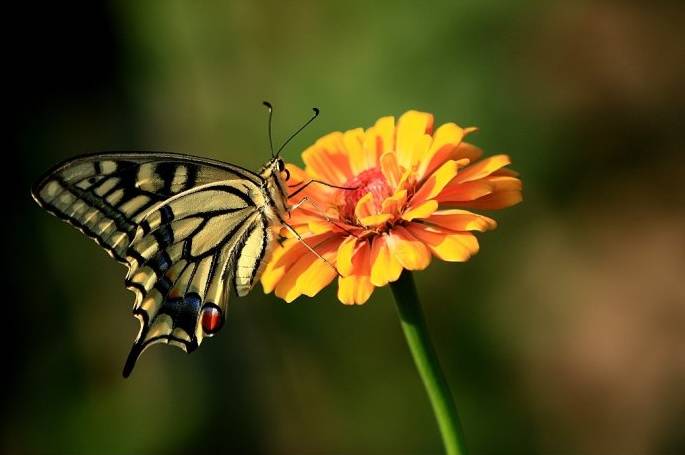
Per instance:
(426,360)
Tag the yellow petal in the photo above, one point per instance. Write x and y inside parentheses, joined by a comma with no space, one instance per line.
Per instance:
(345,252)
(365,206)
(354,289)
(375,220)
(446,138)
(390,168)
(410,252)
(482,168)
(453,247)
(353,141)
(385,132)
(393,204)
(461,220)
(384,267)
(309,274)
(436,182)
(411,126)
(423,210)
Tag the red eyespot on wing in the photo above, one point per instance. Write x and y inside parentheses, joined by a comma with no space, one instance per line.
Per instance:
(211,319)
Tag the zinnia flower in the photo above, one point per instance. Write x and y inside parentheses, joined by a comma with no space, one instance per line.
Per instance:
(413,187)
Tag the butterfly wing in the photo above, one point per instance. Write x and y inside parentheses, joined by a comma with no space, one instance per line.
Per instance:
(187,256)
(184,226)
(106,195)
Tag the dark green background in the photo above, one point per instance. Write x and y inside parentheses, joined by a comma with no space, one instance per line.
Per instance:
(564,335)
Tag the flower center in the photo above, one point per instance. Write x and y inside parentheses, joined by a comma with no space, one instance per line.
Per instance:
(369,181)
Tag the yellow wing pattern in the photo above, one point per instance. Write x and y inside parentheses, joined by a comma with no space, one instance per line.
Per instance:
(188,229)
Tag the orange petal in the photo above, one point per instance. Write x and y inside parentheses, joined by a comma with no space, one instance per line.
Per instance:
(411,253)
(345,252)
(461,220)
(423,210)
(353,141)
(453,247)
(411,126)
(446,138)
(327,159)
(384,267)
(494,201)
(482,168)
(354,289)
(284,257)
(468,151)
(365,206)
(390,168)
(309,274)
(436,182)
(503,183)
(393,204)
(459,192)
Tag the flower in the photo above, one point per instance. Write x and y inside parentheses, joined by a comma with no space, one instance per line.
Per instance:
(404,196)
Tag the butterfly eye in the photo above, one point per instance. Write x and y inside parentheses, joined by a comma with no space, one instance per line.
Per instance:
(281,165)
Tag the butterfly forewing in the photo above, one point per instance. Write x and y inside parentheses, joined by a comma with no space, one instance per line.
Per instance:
(190,230)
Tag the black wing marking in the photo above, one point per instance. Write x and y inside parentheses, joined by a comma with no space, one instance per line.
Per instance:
(106,195)
(184,258)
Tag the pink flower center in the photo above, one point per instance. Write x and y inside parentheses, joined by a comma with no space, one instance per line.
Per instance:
(369,181)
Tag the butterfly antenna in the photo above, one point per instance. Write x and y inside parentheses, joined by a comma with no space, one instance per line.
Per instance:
(316,114)
(271,114)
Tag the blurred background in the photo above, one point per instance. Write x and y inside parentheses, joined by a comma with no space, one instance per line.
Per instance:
(564,335)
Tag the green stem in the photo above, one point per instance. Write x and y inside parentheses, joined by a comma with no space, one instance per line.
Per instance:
(426,360)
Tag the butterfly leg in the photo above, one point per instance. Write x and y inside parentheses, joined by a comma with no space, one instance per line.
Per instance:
(322,213)
(299,238)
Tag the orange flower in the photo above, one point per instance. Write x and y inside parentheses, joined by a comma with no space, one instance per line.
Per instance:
(412,186)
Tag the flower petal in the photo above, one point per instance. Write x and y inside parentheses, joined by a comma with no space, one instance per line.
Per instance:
(354,289)
(384,267)
(446,138)
(375,220)
(391,170)
(423,210)
(327,160)
(393,204)
(494,201)
(461,220)
(385,131)
(411,253)
(436,182)
(284,257)
(469,191)
(365,206)
(482,168)
(353,141)
(411,126)
(345,253)
(309,274)
(453,247)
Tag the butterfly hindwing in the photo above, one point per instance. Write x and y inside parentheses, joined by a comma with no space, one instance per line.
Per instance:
(188,254)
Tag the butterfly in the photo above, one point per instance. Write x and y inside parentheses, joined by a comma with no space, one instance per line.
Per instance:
(190,230)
